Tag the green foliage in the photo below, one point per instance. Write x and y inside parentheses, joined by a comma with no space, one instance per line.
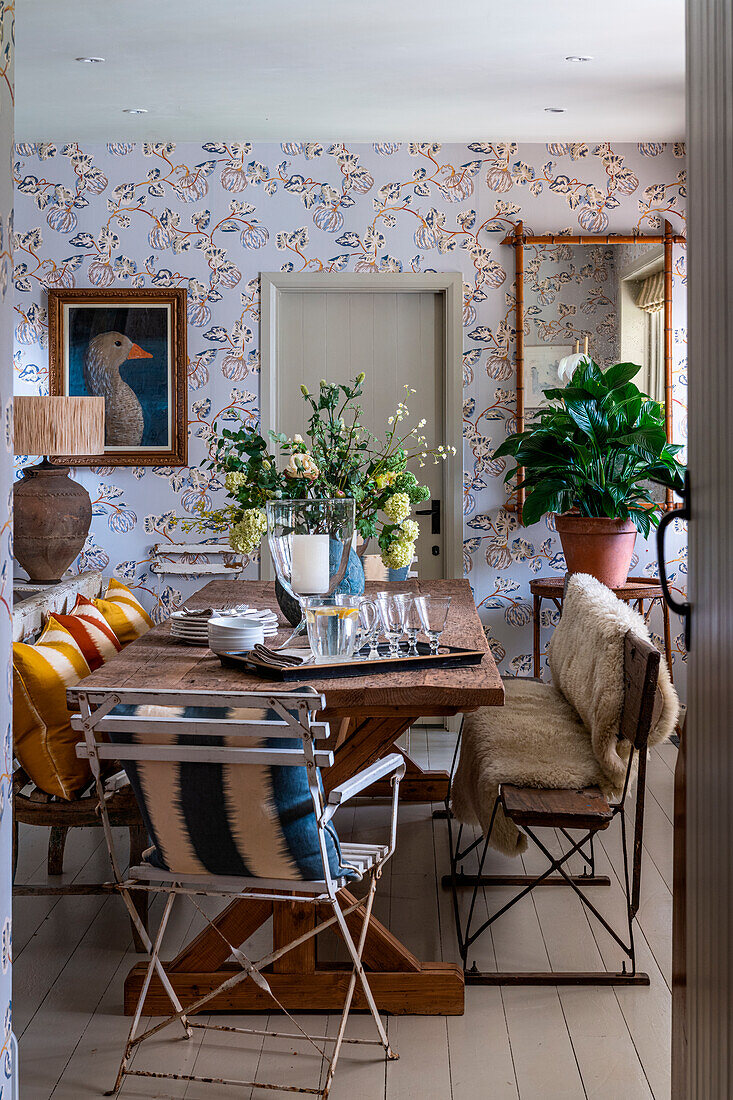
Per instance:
(595,449)
(338,458)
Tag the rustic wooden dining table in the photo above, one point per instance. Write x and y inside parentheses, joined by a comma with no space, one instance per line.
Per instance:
(367,714)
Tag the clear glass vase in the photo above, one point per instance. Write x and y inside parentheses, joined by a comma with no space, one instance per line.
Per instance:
(310,542)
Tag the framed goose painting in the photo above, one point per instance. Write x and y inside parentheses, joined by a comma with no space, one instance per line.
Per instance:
(129,347)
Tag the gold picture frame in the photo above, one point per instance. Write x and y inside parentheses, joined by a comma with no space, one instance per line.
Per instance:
(128,346)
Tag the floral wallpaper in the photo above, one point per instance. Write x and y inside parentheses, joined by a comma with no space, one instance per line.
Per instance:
(7,44)
(211,217)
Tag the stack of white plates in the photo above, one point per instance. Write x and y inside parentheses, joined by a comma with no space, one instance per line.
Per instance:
(235,633)
(194,629)
(186,628)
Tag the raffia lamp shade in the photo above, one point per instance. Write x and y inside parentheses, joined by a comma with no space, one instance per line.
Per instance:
(53,512)
(58,425)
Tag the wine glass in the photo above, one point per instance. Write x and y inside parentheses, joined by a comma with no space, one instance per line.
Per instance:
(411,624)
(390,606)
(433,612)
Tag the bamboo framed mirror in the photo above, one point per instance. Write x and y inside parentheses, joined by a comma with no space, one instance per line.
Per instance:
(610,296)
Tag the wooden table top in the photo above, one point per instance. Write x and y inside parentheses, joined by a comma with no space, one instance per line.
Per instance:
(635,588)
(158,661)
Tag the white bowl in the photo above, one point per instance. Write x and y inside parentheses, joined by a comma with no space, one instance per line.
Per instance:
(235,639)
(246,631)
(246,627)
(235,622)
(233,646)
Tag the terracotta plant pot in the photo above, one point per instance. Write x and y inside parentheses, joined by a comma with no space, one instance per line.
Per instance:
(602,547)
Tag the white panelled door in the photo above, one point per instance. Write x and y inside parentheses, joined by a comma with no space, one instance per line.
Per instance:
(398,333)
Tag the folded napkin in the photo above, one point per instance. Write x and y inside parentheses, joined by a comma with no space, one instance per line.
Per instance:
(262,655)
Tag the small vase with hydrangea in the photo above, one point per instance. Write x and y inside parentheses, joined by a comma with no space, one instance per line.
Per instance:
(339,457)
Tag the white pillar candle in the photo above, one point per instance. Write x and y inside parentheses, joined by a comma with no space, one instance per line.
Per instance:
(310,572)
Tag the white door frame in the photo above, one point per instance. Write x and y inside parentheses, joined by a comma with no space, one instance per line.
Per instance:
(449,284)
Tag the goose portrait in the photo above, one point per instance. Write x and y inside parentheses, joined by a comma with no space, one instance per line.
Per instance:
(123,414)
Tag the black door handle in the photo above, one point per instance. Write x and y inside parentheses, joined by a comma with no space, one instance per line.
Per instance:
(680,607)
(434,512)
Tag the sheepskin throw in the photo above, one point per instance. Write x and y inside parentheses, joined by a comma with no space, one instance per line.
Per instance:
(586,656)
(564,734)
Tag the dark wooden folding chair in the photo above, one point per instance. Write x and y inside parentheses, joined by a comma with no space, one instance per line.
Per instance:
(585,812)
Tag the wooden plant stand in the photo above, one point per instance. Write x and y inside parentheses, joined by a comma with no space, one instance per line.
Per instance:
(636,591)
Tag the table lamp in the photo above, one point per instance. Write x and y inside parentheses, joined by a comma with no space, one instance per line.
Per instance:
(52,511)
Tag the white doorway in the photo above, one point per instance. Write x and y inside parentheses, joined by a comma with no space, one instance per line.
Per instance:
(400,330)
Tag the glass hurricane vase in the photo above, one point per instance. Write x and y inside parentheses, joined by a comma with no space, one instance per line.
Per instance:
(311,546)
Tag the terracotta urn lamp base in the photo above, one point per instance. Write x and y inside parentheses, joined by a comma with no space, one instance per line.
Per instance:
(599,546)
(52,512)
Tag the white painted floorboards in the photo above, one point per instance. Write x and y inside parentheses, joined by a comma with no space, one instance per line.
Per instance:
(71,956)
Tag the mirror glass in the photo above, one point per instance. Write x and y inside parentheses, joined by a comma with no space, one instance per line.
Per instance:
(610,295)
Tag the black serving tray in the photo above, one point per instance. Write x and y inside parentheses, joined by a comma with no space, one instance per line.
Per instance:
(446,657)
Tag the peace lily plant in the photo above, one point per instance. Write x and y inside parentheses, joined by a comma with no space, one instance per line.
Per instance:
(590,457)
(338,458)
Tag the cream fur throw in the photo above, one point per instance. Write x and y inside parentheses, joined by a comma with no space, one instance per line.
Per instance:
(564,734)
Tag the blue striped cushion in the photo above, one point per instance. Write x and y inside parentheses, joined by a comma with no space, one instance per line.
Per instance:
(247,820)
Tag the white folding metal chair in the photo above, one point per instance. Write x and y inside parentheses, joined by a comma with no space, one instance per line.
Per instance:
(170,728)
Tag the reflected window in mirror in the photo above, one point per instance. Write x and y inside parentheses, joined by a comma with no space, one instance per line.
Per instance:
(641,314)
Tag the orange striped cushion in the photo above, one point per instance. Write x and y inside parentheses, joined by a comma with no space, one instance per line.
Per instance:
(43,739)
(91,631)
(124,613)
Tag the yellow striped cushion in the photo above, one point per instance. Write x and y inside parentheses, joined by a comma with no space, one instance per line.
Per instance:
(43,739)
(124,613)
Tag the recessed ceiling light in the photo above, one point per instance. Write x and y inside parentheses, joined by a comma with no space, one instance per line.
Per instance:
(91,60)
(555,110)
(134,110)
(578,57)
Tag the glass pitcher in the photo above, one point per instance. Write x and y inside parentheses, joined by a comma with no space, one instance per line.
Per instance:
(334,625)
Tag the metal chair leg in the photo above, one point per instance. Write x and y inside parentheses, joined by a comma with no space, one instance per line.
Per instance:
(143,994)
(359,971)
(356,952)
(160,969)
(467,940)
(138,843)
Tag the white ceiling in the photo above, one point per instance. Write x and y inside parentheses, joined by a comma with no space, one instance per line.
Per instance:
(350,70)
